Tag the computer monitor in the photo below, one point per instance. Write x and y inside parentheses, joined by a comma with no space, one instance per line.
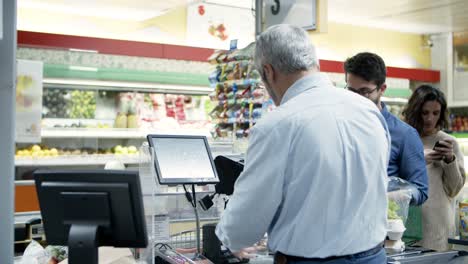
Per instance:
(89,209)
(182,159)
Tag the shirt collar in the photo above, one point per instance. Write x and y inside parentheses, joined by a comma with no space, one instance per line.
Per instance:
(305,83)
(384,111)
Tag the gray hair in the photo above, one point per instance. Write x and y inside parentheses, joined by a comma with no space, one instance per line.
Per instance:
(287,48)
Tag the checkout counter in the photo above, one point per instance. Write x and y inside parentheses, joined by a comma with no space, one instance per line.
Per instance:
(228,169)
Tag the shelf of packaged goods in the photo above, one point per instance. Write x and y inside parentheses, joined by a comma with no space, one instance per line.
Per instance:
(89,160)
(232,102)
(114,132)
(238,122)
(242,82)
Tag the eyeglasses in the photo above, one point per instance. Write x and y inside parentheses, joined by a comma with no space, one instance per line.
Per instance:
(364,92)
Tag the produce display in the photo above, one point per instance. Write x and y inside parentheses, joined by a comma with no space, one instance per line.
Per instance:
(160,111)
(55,103)
(129,110)
(42,151)
(82,104)
(82,125)
(239,96)
(62,103)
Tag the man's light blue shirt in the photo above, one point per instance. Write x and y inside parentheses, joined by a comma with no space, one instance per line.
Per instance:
(315,175)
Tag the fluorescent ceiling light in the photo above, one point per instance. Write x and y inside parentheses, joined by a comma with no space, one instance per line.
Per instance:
(82,68)
(84,50)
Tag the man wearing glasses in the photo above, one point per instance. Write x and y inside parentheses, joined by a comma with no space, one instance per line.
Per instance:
(365,75)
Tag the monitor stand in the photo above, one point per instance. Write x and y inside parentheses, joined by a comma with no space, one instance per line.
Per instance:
(83,237)
(82,244)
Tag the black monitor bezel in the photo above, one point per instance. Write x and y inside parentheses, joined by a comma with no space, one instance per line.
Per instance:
(179,181)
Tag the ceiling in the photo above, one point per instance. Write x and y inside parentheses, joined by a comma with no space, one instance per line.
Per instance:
(143,20)
(416,16)
(133,10)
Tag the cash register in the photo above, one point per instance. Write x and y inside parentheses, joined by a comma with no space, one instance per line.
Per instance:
(187,160)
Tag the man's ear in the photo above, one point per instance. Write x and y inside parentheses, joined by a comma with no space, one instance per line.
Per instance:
(269,72)
(383,88)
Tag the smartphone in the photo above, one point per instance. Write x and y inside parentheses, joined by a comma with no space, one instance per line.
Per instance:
(438,145)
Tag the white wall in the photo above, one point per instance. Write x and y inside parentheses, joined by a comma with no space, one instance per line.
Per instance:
(441,59)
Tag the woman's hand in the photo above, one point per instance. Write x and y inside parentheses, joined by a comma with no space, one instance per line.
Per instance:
(431,156)
(446,150)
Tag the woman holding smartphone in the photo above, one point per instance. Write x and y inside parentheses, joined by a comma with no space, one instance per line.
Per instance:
(427,113)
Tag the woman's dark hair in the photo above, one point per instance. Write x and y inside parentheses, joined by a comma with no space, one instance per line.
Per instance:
(368,66)
(413,110)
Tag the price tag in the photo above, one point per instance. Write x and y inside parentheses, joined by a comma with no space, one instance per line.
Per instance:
(161,228)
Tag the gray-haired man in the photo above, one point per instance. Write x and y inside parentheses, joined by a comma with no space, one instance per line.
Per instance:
(315,170)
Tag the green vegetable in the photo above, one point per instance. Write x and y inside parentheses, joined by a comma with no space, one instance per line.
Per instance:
(392,210)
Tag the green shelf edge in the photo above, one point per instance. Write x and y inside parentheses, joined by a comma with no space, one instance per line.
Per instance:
(396,92)
(460,134)
(126,75)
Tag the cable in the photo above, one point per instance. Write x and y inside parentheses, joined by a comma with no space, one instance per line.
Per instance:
(189,197)
(163,245)
(197,219)
(192,198)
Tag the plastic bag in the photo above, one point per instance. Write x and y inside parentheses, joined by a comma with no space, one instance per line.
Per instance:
(399,197)
(57,253)
(35,254)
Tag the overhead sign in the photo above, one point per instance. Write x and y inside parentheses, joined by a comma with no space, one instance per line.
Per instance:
(302,13)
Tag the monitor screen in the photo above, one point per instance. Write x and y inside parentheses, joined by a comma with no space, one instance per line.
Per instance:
(183,159)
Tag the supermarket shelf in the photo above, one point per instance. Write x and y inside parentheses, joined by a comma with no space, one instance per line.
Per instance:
(92,84)
(218,147)
(240,101)
(92,133)
(112,132)
(242,82)
(76,160)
